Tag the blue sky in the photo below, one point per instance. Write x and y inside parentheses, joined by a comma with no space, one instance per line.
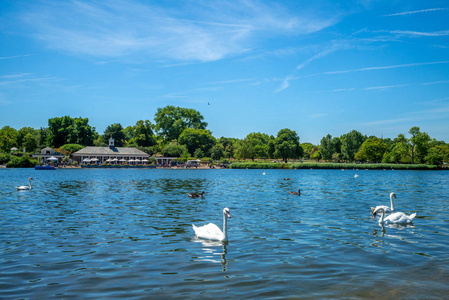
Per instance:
(316,67)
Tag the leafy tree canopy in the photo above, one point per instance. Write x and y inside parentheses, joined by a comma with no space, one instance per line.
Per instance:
(171,121)
(195,139)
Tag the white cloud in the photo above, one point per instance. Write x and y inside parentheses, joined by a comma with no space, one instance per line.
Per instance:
(188,32)
(416,12)
(419,33)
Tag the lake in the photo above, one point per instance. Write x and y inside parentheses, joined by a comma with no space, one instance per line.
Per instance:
(127,233)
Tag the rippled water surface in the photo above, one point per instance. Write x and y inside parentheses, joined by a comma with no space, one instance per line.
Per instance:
(105,233)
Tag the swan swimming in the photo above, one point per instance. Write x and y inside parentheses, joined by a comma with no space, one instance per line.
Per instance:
(394,218)
(386,208)
(26,187)
(211,231)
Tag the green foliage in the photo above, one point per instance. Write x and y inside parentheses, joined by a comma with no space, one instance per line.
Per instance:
(4,158)
(327,148)
(173,150)
(8,139)
(171,121)
(316,154)
(198,153)
(67,130)
(350,144)
(72,148)
(141,134)
(287,145)
(434,157)
(217,151)
(197,139)
(116,132)
(21,162)
(255,165)
(372,150)
(255,145)
(308,149)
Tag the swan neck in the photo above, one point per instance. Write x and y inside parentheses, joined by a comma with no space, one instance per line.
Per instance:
(381,220)
(29,182)
(225,226)
(391,202)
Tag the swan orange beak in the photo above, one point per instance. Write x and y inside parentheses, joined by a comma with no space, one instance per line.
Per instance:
(228,214)
(374,216)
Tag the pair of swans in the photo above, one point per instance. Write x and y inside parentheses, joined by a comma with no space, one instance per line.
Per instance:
(212,231)
(394,217)
(26,187)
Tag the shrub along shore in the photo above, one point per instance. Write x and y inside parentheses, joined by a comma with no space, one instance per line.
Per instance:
(264,165)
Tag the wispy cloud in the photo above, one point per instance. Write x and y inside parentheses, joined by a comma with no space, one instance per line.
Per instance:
(416,12)
(13,79)
(187,32)
(386,87)
(418,33)
(385,67)
(233,81)
(15,56)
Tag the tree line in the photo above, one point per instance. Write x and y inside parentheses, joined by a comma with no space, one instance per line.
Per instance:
(182,132)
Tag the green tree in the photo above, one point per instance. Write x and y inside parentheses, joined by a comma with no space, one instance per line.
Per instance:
(142,134)
(171,121)
(195,139)
(80,132)
(434,157)
(21,133)
(308,149)
(422,146)
(372,150)
(327,148)
(174,150)
(315,154)
(59,131)
(255,145)
(29,142)
(72,148)
(414,132)
(67,130)
(287,145)
(116,132)
(217,151)
(42,137)
(8,139)
(350,144)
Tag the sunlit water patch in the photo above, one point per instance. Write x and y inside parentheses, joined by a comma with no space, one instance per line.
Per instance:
(103,234)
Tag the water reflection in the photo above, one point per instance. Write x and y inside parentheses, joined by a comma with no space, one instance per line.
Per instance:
(211,250)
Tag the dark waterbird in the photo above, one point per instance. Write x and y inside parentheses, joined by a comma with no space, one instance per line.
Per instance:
(196,195)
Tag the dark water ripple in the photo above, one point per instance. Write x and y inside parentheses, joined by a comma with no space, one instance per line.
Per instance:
(105,234)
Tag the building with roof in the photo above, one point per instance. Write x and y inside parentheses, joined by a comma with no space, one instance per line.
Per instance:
(110,154)
(49,155)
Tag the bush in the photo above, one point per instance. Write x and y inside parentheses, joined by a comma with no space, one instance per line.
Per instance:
(22,162)
(251,165)
(4,158)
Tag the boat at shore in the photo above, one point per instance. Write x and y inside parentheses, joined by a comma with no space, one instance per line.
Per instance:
(45,168)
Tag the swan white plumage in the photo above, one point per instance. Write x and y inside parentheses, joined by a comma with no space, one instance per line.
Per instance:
(386,208)
(211,231)
(394,218)
(26,187)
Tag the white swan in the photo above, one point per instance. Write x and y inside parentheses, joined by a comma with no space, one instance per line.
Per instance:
(211,231)
(394,218)
(386,208)
(26,187)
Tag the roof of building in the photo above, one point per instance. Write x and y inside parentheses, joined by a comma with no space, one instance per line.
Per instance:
(115,151)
